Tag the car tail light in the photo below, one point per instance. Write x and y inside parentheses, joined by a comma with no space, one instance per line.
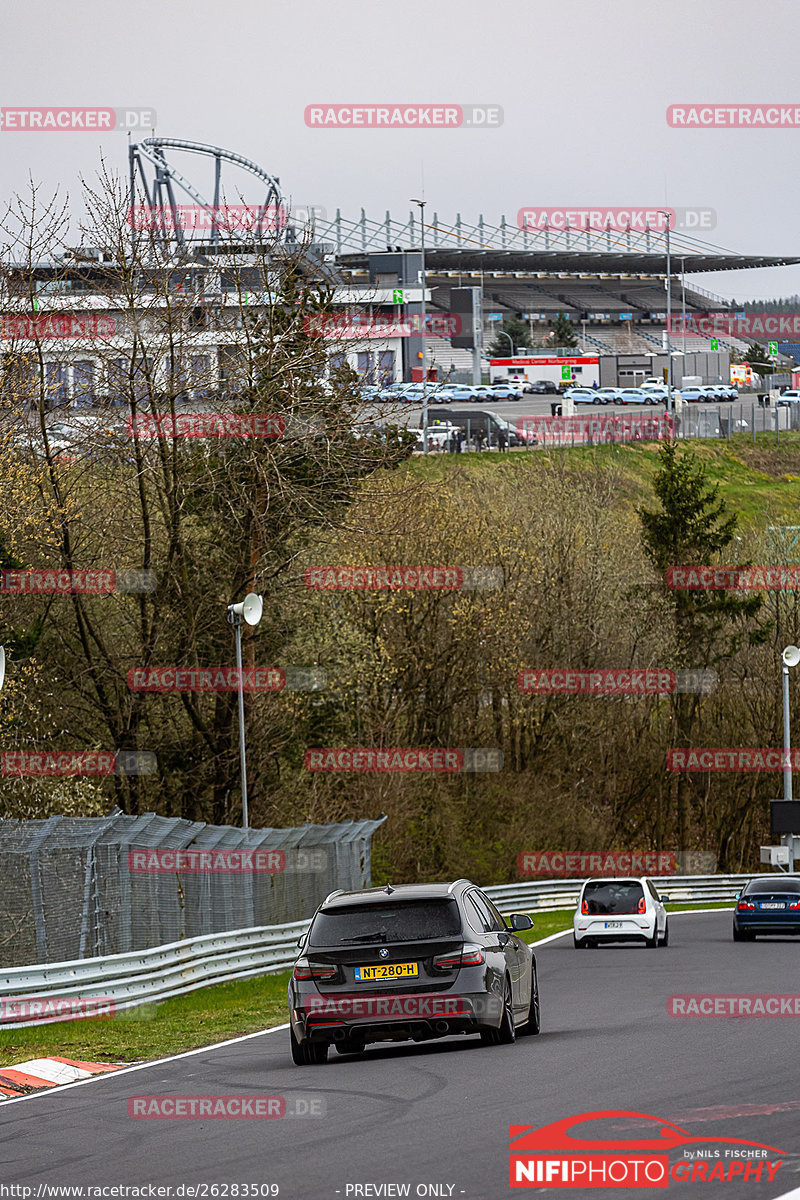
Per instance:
(303,969)
(745,906)
(585,908)
(469,955)
(642,905)
(794,904)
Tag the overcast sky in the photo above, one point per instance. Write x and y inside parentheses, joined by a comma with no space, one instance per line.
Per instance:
(584,89)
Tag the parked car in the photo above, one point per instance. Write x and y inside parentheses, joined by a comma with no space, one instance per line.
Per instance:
(584,395)
(486,423)
(692,394)
(542,387)
(410,963)
(438,436)
(504,391)
(608,395)
(658,391)
(635,396)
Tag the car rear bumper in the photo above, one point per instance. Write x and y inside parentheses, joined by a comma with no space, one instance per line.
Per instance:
(630,932)
(746,923)
(387,1017)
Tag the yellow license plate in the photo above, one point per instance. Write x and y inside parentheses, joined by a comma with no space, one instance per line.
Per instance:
(386,971)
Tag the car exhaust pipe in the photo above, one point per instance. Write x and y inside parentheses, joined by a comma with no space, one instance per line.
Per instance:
(442,1027)
(338,1035)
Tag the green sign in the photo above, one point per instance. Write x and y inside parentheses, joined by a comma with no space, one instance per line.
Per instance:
(397,296)
(715,343)
(772,349)
(566,373)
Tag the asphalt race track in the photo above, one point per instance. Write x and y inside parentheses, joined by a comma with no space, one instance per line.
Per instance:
(438,1114)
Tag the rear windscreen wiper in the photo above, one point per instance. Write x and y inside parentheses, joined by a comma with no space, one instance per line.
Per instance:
(377,936)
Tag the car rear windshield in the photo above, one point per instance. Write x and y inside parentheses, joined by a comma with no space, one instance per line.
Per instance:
(773,885)
(614,897)
(409,921)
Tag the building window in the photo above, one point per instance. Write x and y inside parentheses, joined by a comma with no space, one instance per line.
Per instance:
(83,382)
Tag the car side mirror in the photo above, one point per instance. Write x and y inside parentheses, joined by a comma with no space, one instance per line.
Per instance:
(520,921)
(299,941)
(665,899)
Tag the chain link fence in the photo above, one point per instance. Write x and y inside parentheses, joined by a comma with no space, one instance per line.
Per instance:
(78,887)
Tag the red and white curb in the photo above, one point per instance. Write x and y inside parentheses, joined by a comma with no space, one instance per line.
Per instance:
(26,1077)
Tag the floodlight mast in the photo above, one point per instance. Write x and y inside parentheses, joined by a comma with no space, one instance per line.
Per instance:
(247,611)
(790,657)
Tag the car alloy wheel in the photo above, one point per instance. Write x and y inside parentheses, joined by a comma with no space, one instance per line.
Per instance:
(665,939)
(505,1034)
(533,1024)
(307,1053)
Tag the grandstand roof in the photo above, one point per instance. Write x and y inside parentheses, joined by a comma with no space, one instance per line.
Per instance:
(613,262)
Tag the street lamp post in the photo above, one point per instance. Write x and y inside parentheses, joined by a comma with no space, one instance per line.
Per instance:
(670,401)
(683,306)
(790,658)
(247,611)
(421,204)
(511,344)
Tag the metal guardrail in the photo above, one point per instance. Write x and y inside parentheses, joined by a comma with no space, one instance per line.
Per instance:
(122,981)
(563,893)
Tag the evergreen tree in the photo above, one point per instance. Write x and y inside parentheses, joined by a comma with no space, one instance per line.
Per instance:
(692,527)
(563,333)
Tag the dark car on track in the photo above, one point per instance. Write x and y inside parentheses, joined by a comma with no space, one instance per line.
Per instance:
(414,962)
(767,904)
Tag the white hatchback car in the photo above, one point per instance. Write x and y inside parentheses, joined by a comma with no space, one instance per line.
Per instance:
(620,910)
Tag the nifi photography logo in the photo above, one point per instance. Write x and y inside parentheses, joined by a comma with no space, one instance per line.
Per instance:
(553,1157)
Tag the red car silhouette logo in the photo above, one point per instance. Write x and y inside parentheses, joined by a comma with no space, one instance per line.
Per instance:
(556,1136)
